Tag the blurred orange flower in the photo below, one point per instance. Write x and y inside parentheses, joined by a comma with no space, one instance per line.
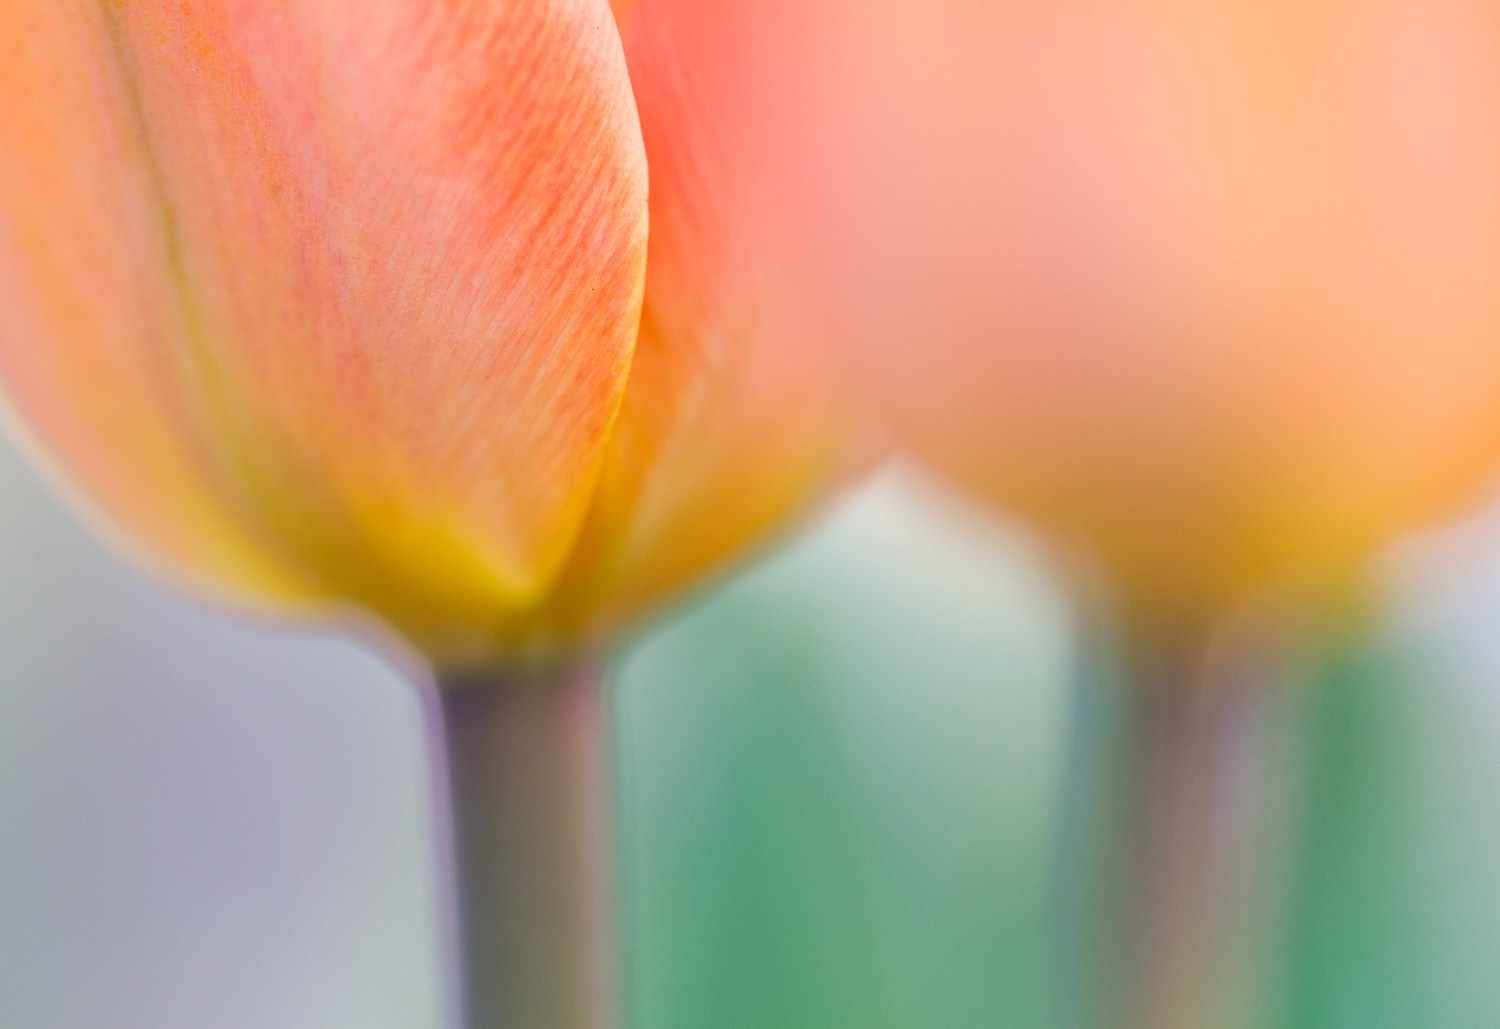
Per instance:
(323,303)
(1212,286)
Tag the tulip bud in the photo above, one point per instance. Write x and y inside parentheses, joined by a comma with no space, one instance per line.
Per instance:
(1214,287)
(323,304)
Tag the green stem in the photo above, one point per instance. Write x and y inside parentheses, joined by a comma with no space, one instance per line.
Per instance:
(1164,857)
(528,774)
(1180,857)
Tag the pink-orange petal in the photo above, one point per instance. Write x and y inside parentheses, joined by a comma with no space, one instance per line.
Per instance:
(728,430)
(367,274)
(1214,286)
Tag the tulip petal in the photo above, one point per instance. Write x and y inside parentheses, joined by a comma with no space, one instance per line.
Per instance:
(335,295)
(727,427)
(1214,287)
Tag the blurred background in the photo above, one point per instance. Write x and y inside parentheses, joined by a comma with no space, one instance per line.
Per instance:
(843,776)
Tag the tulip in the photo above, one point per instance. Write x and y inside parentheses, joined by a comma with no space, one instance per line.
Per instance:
(325,307)
(1210,290)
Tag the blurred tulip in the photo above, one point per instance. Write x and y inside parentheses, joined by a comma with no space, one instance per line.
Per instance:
(327,304)
(1214,287)
(1211,287)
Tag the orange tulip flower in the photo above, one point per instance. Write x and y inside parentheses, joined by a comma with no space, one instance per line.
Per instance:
(1213,287)
(322,303)
(330,305)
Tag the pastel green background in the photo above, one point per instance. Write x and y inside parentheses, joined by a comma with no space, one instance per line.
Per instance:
(841,775)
